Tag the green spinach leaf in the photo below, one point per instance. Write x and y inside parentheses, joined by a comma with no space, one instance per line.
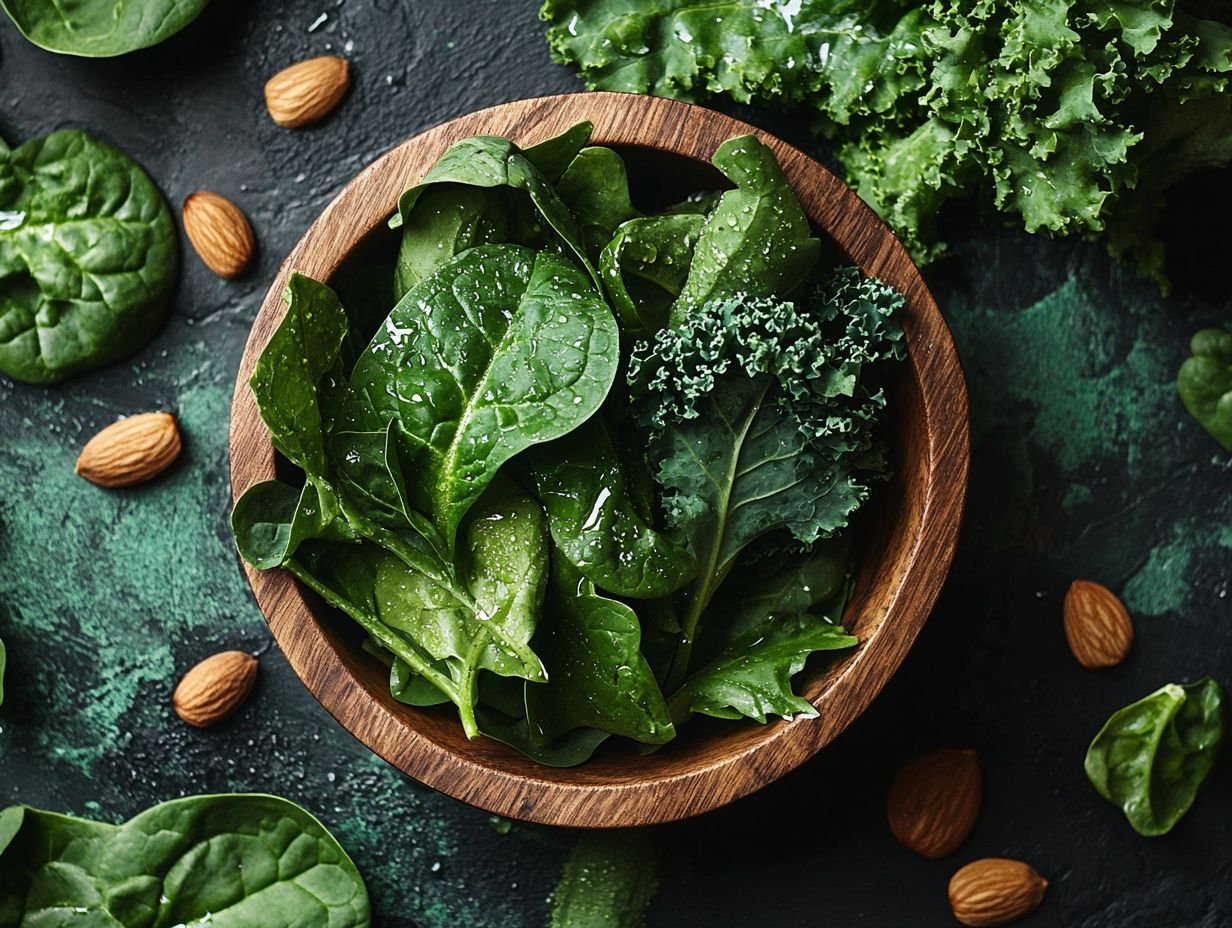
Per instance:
(1205,383)
(485,190)
(510,349)
(296,377)
(3,660)
(597,677)
(569,750)
(644,268)
(448,630)
(757,242)
(596,522)
(1151,757)
(231,861)
(100,28)
(608,882)
(596,188)
(87,256)
(271,520)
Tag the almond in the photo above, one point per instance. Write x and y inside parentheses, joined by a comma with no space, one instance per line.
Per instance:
(130,451)
(219,232)
(1096,624)
(934,802)
(995,891)
(215,688)
(307,91)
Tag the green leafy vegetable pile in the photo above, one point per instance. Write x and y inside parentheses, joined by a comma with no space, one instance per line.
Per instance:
(228,860)
(590,475)
(1205,383)
(1072,115)
(100,28)
(87,256)
(1151,757)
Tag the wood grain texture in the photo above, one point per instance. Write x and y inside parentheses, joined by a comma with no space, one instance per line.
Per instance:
(906,545)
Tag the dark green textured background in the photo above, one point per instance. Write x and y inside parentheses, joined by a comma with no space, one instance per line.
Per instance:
(1085,465)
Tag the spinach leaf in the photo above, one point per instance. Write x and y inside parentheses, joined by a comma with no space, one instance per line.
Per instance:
(3,659)
(229,860)
(445,629)
(87,256)
(569,750)
(597,677)
(271,520)
(100,28)
(596,188)
(596,522)
(608,882)
(1151,757)
(499,350)
(1205,383)
(296,377)
(757,241)
(644,268)
(479,193)
(751,677)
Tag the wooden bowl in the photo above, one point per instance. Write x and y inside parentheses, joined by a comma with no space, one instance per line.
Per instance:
(906,541)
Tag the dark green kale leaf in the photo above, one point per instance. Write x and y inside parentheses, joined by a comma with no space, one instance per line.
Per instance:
(764,422)
(1073,117)
(1151,757)
(1205,383)
(88,257)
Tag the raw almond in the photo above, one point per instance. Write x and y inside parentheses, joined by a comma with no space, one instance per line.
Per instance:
(1096,624)
(934,802)
(220,233)
(215,688)
(995,891)
(130,451)
(307,91)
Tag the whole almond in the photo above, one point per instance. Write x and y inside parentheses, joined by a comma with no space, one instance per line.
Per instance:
(307,91)
(995,891)
(220,233)
(934,802)
(215,688)
(1096,625)
(130,451)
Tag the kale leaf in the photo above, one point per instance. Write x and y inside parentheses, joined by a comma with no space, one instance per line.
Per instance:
(1073,117)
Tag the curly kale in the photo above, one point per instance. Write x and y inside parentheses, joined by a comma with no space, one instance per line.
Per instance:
(813,354)
(762,414)
(1072,116)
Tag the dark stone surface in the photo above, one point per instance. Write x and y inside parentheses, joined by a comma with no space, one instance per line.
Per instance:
(1085,465)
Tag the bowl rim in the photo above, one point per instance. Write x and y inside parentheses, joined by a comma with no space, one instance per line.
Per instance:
(622,120)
